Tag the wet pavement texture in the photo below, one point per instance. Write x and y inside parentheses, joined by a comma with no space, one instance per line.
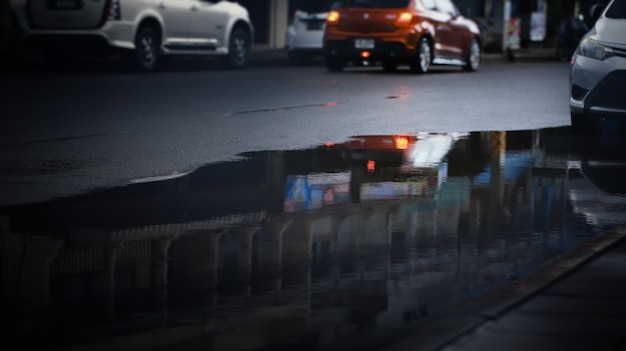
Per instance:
(356,245)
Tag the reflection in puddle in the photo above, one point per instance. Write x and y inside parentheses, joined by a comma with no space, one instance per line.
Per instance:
(313,249)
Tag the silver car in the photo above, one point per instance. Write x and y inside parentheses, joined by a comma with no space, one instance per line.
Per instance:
(598,71)
(305,32)
(144,30)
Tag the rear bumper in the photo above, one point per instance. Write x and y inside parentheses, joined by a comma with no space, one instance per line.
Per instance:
(345,49)
(111,34)
(303,40)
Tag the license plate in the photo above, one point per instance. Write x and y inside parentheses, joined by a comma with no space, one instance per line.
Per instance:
(364,43)
(315,25)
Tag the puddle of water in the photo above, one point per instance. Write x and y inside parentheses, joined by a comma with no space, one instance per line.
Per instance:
(346,244)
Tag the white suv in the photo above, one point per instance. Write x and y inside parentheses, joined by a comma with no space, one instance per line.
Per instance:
(144,29)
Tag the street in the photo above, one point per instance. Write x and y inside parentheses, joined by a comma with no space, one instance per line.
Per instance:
(288,208)
(100,126)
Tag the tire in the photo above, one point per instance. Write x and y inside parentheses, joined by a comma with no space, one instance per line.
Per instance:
(473,57)
(390,65)
(334,64)
(147,48)
(421,63)
(238,49)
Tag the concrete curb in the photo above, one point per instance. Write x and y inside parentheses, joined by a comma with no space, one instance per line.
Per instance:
(262,56)
(447,331)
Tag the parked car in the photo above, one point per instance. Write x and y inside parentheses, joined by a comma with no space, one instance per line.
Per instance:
(305,32)
(392,32)
(144,30)
(598,70)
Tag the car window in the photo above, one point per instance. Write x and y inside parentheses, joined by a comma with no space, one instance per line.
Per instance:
(314,6)
(389,4)
(429,4)
(617,10)
(446,6)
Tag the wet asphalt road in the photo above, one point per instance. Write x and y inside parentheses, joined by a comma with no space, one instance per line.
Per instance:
(355,209)
(92,127)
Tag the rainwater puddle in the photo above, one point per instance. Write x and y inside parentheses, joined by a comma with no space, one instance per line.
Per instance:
(346,245)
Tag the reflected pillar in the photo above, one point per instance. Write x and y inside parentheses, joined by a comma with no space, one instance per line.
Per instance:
(298,253)
(26,262)
(112,249)
(161,266)
(496,184)
(271,254)
(245,255)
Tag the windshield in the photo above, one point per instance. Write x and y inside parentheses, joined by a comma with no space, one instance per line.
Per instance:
(617,10)
(314,6)
(376,3)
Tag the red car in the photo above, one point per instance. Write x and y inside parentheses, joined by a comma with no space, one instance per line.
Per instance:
(393,32)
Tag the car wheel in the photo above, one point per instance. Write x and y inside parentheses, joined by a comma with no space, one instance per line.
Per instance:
(390,65)
(334,64)
(147,48)
(473,56)
(421,64)
(238,49)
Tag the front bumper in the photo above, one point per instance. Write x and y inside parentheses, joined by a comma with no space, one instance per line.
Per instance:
(597,87)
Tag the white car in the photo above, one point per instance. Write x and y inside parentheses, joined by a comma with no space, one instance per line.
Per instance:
(598,71)
(143,29)
(305,32)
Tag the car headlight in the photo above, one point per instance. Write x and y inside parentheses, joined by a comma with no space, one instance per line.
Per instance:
(592,49)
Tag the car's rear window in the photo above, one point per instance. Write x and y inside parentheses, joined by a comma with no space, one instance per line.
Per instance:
(617,10)
(388,4)
(314,6)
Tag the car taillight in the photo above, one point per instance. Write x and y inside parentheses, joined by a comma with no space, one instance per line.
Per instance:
(333,18)
(402,143)
(115,12)
(404,19)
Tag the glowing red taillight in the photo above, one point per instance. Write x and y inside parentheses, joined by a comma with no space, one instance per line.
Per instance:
(402,143)
(333,18)
(371,166)
(405,19)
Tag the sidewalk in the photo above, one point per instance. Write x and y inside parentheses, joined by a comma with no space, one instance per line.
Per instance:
(577,303)
(261,55)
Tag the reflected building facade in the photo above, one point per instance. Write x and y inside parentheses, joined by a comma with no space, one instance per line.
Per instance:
(338,245)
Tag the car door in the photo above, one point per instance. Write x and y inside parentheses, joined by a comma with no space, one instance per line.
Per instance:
(176,15)
(209,21)
(449,32)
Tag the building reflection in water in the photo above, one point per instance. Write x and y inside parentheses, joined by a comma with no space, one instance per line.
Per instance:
(338,245)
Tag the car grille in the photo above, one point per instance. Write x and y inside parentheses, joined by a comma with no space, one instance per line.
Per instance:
(619,52)
(314,24)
